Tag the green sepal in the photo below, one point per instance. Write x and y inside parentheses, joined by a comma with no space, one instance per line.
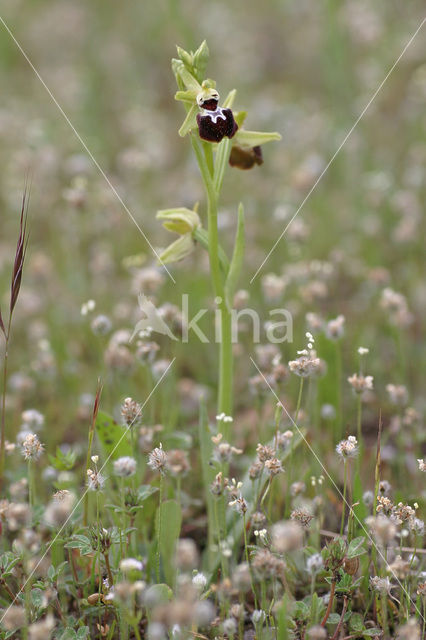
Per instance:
(190,121)
(255,138)
(178,250)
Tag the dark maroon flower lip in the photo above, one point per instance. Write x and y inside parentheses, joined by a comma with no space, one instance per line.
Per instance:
(217,124)
(210,105)
(245,158)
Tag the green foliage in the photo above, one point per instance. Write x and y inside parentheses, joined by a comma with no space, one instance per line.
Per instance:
(63,461)
(171,518)
(113,438)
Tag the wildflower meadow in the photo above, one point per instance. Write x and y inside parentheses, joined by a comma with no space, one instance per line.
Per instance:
(212,303)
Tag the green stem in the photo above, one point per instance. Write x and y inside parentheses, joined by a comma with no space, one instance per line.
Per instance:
(3,407)
(248,560)
(290,460)
(344,496)
(359,432)
(225,382)
(339,389)
(159,529)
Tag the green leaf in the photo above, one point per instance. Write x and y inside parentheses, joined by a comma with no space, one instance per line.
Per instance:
(316,606)
(236,261)
(113,438)
(333,618)
(355,548)
(369,633)
(63,461)
(145,491)
(7,562)
(171,521)
(68,634)
(190,121)
(38,599)
(356,622)
(221,162)
(282,622)
(80,542)
(83,633)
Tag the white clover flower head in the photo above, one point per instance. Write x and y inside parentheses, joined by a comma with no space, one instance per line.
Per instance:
(398,394)
(335,329)
(131,412)
(381,585)
(32,447)
(95,480)
(257,616)
(422,464)
(33,420)
(306,365)
(314,563)
(417,526)
(87,307)
(239,504)
(360,383)
(348,448)
(125,467)
(131,564)
(157,459)
(199,580)
(287,535)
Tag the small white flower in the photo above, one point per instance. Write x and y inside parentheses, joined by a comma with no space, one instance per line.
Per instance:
(314,563)
(95,459)
(363,351)
(131,564)
(125,467)
(222,417)
(199,580)
(88,306)
(360,383)
(422,465)
(348,448)
(32,419)
(257,616)
(32,447)
(95,480)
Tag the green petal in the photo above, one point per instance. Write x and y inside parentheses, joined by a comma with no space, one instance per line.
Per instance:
(186,96)
(255,138)
(178,250)
(180,220)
